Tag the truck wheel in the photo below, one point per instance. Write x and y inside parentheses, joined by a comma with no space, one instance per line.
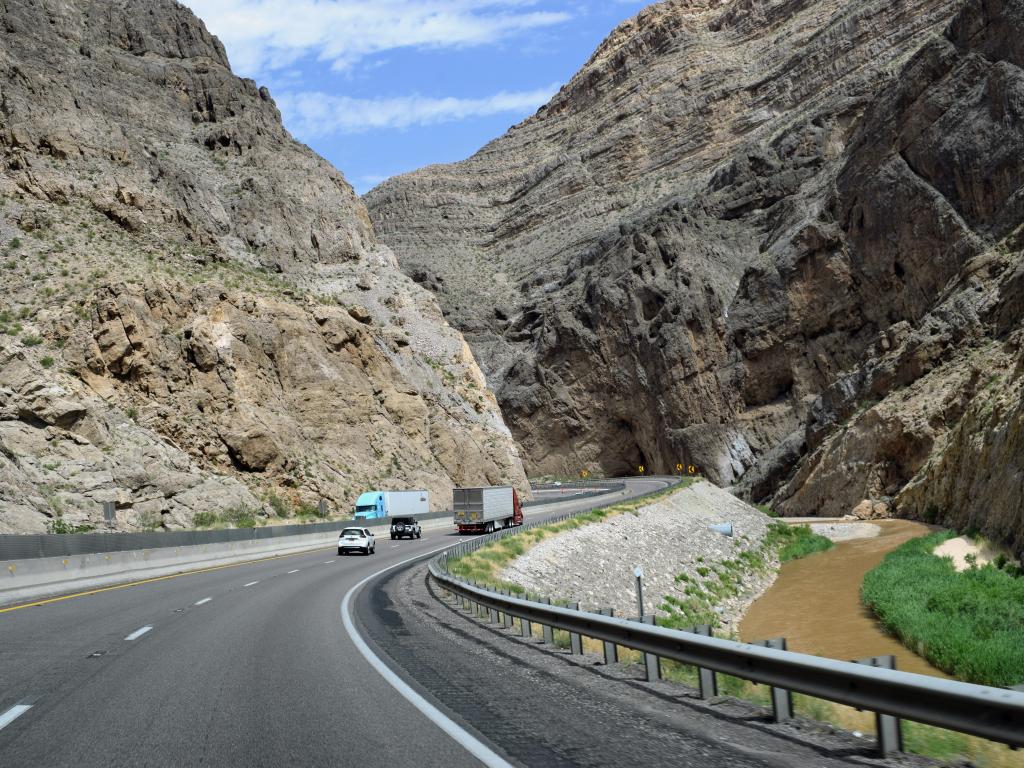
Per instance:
(373,550)
(393,537)
(419,534)
(340,552)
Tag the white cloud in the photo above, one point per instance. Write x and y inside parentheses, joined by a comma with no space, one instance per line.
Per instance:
(314,114)
(266,35)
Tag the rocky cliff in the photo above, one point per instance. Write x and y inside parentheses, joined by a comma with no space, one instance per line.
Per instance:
(197,314)
(777,239)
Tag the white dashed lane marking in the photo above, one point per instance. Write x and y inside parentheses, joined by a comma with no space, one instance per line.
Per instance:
(291,572)
(203,601)
(13,714)
(251,584)
(138,633)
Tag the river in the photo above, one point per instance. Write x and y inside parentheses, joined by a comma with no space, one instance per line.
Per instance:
(815,602)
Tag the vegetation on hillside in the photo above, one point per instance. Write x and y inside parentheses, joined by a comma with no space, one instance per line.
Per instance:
(969,624)
(718,582)
(794,542)
(486,563)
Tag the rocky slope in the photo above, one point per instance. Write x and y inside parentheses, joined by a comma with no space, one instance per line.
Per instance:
(197,314)
(778,239)
(692,574)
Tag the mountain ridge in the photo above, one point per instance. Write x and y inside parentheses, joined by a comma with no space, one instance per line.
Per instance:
(732,240)
(199,317)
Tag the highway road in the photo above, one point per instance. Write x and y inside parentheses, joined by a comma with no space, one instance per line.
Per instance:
(247,665)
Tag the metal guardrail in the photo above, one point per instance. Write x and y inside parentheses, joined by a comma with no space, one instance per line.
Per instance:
(19,546)
(599,489)
(996,714)
(572,484)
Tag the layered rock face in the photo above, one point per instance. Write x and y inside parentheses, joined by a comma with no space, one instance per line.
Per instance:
(777,239)
(198,314)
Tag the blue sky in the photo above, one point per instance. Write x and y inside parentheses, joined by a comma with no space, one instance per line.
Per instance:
(380,87)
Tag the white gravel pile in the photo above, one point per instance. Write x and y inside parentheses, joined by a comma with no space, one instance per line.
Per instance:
(846,531)
(593,565)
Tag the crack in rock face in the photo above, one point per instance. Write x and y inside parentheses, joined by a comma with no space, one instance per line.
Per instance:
(198,317)
(778,241)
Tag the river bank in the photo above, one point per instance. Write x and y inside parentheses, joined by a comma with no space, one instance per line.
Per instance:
(815,602)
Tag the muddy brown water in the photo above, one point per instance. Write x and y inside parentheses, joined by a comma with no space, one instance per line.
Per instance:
(815,603)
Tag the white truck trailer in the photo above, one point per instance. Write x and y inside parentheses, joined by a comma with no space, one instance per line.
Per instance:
(373,505)
(485,510)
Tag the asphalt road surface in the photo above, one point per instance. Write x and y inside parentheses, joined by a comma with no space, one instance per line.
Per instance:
(247,665)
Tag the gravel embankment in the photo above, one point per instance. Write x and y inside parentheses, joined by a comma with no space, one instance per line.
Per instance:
(594,564)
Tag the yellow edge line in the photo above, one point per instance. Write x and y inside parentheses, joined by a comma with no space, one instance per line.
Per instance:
(151,581)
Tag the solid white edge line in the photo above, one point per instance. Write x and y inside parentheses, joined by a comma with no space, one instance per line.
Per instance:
(466,740)
(13,714)
(138,633)
(470,743)
(251,584)
(203,601)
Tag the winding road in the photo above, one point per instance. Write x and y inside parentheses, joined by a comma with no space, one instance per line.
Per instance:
(247,665)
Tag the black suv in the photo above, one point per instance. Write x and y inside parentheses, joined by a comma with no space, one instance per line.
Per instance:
(405,526)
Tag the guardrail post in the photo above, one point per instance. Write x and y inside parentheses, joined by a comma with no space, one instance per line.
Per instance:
(888,728)
(611,650)
(575,640)
(474,606)
(526,628)
(509,618)
(707,679)
(782,699)
(652,662)
(492,614)
(549,633)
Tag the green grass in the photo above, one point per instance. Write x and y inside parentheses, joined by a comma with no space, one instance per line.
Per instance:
(969,624)
(795,541)
(239,517)
(204,519)
(60,525)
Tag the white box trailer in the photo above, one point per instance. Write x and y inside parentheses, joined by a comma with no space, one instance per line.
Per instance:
(484,510)
(373,505)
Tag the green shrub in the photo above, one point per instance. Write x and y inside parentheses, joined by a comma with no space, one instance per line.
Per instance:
(969,624)
(279,505)
(31,340)
(15,243)
(304,509)
(795,541)
(204,519)
(46,362)
(62,526)
(240,517)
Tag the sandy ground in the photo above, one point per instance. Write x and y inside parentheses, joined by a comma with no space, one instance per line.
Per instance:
(846,531)
(959,548)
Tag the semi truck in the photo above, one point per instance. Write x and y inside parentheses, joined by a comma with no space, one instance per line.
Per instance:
(373,505)
(485,510)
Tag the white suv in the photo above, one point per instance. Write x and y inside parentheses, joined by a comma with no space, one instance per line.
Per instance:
(356,539)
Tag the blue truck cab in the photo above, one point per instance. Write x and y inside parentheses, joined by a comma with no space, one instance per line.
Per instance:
(370,506)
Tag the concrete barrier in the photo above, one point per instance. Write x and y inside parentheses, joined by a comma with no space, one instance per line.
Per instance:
(36,578)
